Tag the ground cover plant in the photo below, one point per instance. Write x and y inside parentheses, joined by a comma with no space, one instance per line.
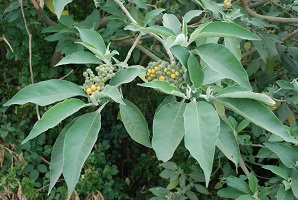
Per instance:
(149,99)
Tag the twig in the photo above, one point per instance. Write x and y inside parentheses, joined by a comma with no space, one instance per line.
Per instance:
(6,41)
(269,18)
(243,166)
(63,77)
(30,52)
(132,48)
(290,35)
(126,12)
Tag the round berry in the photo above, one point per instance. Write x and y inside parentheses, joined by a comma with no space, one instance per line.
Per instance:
(88,91)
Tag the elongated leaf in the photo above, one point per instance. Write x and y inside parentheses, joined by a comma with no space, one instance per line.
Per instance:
(227,143)
(152,14)
(259,114)
(191,14)
(126,75)
(135,123)
(59,6)
(287,154)
(172,22)
(238,184)
(276,170)
(164,87)
(223,29)
(168,130)
(252,182)
(211,76)
(294,184)
(224,62)
(283,194)
(56,166)
(181,53)
(168,99)
(93,38)
(229,193)
(240,93)
(201,124)
(196,74)
(80,57)
(159,30)
(234,46)
(78,143)
(46,92)
(93,49)
(54,116)
(110,91)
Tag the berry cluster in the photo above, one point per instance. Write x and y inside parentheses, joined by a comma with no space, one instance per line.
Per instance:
(97,82)
(164,71)
(227,4)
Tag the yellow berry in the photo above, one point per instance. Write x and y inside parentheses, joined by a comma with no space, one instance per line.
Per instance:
(161,78)
(88,91)
(149,79)
(173,76)
(176,73)
(93,87)
(98,88)
(165,69)
(173,71)
(152,75)
(153,71)
(156,68)
(149,71)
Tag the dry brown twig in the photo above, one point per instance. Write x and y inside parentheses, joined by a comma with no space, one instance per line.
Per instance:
(30,52)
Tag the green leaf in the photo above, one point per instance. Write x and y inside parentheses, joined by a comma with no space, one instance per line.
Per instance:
(159,30)
(59,6)
(78,143)
(93,50)
(173,184)
(171,22)
(46,92)
(93,38)
(294,184)
(252,182)
(283,194)
(202,189)
(259,114)
(242,93)
(228,144)
(135,123)
(245,197)
(211,76)
(191,14)
(164,87)
(201,124)
(234,46)
(56,166)
(110,91)
(283,112)
(168,99)
(181,53)
(229,193)
(196,74)
(168,130)
(54,116)
(159,191)
(151,15)
(276,170)
(222,29)
(80,57)
(287,154)
(126,75)
(238,184)
(224,62)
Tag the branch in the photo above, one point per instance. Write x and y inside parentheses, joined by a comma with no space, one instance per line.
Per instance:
(45,19)
(290,35)
(243,166)
(132,47)
(30,52)
(269,18)
(152,34)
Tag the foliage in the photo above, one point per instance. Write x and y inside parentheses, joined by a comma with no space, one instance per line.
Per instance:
(226,82)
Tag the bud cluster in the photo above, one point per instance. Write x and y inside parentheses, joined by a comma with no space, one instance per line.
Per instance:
(164,71)
(96,82)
